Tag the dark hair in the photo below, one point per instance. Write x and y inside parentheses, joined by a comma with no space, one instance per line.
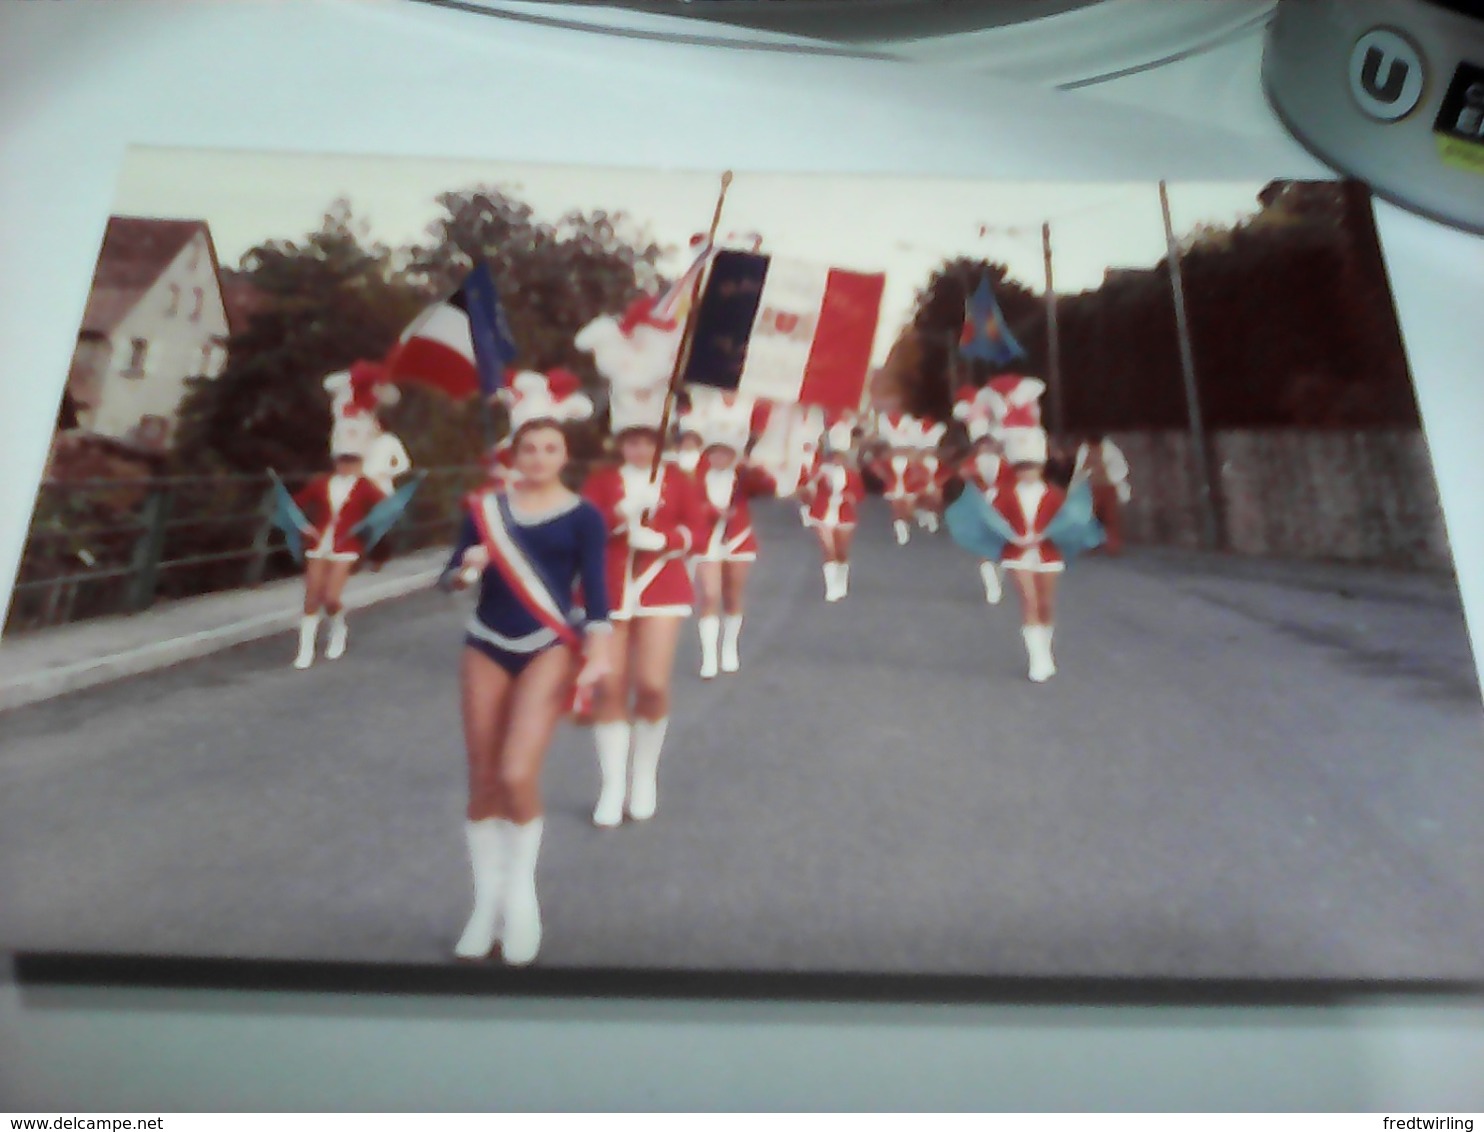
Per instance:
(538,423)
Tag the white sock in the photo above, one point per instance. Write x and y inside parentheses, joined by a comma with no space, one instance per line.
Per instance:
(710,629)
(612,741)
(487,861)
(522,928)
(649,738)
(731,635)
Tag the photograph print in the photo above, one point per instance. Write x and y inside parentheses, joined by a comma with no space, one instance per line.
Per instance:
(461,565)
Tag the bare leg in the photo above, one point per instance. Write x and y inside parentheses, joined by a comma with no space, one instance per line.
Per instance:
(653,663)
(485,694)
(536,704)
(708,624)
(733,591)
(335,578)
(612,734)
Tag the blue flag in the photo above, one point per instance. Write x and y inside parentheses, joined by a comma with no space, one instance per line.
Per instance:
(385,514)
(494,345)
(986,336)
(288,517)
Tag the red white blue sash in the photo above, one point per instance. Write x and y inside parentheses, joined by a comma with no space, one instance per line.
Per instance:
(508,557)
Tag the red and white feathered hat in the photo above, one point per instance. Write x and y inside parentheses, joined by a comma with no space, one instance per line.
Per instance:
(971,406)
(930,434)
(898,429)
(637,359)
(1015,401)
(361,390)
(555,396)
(723,419)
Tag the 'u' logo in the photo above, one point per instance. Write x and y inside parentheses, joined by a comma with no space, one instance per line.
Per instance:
(1386,75)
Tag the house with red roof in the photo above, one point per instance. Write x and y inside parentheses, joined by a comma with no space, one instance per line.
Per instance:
(155,317)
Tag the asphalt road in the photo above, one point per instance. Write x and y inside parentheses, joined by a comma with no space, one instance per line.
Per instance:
(1243,769)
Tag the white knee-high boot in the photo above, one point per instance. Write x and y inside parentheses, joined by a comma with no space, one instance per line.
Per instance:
(1046,633)
(829,581)
(308,630)
(1038,650)
(731,637)
(612,741)
(993,591)
(842,573)
(904,531)
(487,860)
(339,632)
(649,738)
(710,630)
(522,928)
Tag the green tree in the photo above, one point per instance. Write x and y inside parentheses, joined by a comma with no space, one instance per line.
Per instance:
(328,300)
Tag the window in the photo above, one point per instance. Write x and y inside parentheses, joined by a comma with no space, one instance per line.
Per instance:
(200,297)
(195,259)
(174,301)
(138,348)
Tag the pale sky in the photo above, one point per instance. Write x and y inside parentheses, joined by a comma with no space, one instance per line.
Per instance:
(901,226)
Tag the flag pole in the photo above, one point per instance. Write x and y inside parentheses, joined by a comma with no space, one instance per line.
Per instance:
(1053,337)
(1210,523)
(687,335)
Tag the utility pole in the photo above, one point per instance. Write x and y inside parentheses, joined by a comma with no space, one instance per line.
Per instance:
(1210,525)
(1053,339)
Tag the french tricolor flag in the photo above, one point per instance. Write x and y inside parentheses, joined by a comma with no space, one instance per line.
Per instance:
(785,331)
(461,346)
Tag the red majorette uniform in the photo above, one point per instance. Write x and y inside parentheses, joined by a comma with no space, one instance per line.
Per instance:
(834,495)
(647,582)
(727,539)
(989,473)
(901,474)
(932,474)
(333,505)
(726,526)
(652,527)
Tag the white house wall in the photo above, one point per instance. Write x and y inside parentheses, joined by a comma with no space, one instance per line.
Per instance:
(176,345)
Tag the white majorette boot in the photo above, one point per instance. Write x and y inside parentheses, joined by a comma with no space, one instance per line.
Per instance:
(710,630)
(488,854)
(993,591)
(931,522)
(1046,631)
(1036,648)
(649,738)
(731,637)
(842,572)
(832,581)
(521,937)
(335,649)
(612,741)
(308,630)
(904,531)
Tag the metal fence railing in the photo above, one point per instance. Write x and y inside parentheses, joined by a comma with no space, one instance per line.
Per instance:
(105,546)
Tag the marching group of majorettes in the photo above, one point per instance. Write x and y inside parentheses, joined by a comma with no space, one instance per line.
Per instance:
(582,595)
